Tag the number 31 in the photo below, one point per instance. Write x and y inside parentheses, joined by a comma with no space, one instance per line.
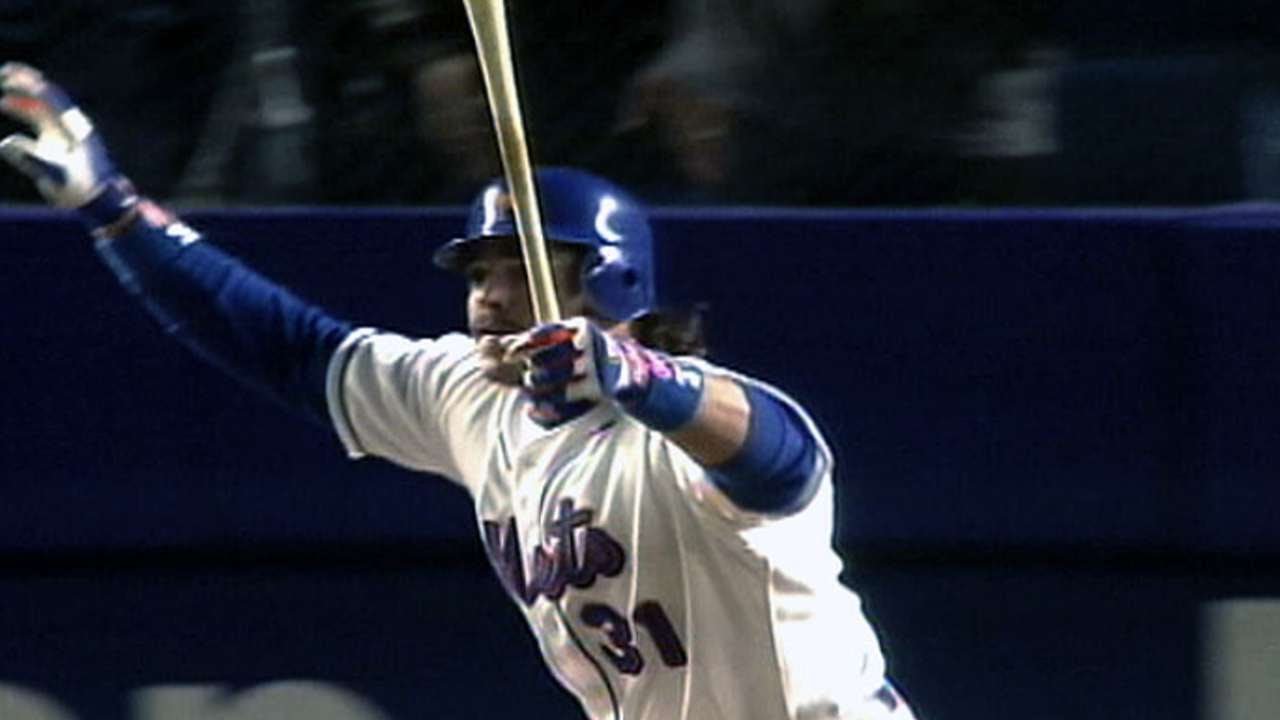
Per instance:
(621,648)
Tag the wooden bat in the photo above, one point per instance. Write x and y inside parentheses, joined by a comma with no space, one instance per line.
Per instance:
(488,20)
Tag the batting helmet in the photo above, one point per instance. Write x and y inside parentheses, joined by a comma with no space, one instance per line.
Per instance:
(578,208)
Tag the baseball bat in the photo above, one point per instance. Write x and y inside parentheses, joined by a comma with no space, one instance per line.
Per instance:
(488,20)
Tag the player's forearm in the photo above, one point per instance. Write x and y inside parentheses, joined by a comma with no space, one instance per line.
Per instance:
(719,427)
(229,315)
(757,449)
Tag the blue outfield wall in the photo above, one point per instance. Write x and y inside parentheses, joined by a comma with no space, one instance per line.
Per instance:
(1002,381)
(1056,431)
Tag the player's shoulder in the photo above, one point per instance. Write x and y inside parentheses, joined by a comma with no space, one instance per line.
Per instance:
(379,356)
(385,343)
(454,344)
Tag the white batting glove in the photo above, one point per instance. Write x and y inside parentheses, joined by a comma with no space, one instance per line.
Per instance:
(66,158)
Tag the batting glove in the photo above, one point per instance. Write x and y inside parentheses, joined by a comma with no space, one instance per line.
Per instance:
(66,158)
(572,365)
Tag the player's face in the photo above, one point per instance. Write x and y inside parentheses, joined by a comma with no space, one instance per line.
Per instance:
(498,294)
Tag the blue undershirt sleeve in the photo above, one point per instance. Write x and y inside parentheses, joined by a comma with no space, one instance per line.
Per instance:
(230,316)
(773,472)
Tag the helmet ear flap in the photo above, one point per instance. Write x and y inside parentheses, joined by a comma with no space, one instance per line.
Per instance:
(630,278)
(613,287)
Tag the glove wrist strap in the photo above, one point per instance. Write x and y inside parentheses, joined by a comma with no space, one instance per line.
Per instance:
(666,394)
(111,207)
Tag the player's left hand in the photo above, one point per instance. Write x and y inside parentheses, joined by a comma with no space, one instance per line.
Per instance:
(67,159)
(572,365)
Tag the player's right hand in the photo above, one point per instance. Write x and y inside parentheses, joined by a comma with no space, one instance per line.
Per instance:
(66,158)
(573,364)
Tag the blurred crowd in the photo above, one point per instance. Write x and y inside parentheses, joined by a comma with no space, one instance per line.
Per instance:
(768,102)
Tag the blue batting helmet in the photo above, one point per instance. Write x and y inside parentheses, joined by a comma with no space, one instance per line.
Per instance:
(578,208)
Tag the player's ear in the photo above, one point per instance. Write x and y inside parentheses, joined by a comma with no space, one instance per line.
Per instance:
(569,263)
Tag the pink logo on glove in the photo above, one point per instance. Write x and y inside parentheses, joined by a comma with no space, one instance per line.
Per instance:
(642,365)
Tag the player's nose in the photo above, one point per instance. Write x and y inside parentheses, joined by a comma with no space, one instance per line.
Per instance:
(498,289)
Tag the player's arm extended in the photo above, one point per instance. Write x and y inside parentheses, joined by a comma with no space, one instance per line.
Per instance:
(759,451)
(721,424)
(236,319)
(756,447)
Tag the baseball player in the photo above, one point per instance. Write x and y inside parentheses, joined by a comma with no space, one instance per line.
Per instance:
(663,523)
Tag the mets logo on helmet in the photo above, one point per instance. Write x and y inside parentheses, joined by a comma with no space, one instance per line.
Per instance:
(498,207)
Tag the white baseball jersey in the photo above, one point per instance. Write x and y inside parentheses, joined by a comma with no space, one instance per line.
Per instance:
(652,596)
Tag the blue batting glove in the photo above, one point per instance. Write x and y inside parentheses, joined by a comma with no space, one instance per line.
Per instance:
(556,375)
(572,365)
(66,158)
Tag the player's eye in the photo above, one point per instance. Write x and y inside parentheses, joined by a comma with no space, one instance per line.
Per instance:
(477,273)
